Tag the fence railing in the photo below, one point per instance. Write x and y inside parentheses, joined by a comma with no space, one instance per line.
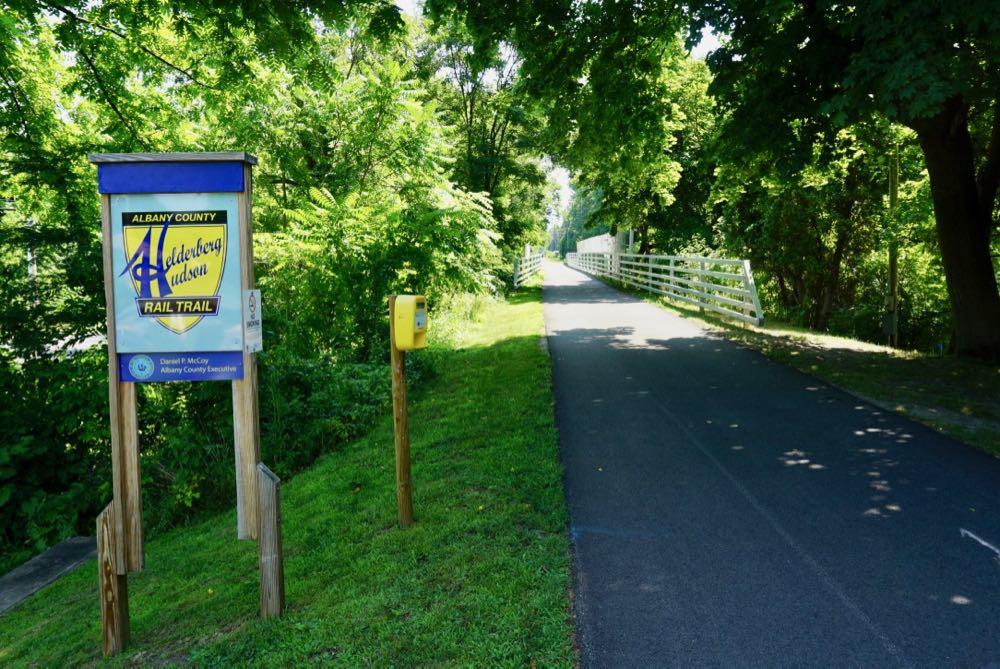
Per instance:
(722,285)
(527,267)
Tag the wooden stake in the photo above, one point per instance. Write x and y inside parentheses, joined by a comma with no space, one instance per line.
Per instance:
(272,569)
(124,430)
(400,419)
(246,410)
(113,585)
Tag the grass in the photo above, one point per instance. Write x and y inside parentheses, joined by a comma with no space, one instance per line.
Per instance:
(480,580)
(960,398)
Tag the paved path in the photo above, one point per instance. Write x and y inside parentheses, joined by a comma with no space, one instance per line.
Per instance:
(730,511)
(43,569)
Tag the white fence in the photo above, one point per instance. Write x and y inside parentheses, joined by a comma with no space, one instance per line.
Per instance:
(722,285)
(527,267)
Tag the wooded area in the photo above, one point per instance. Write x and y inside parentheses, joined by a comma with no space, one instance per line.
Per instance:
(403,154)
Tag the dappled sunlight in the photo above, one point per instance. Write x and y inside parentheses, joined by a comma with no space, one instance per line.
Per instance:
(932,389)
(871,434)
(797,458)
(676,362)
(669,423)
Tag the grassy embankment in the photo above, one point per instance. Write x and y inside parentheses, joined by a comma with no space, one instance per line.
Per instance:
(960,398)
(480,580)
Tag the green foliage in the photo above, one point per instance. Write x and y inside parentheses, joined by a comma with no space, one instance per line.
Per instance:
(581,221)
(330,272)
(832,67)
(720,167)
(55,450)
(482,97)
(353,201)
(786,75)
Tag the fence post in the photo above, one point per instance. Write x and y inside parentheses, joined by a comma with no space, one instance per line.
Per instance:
(701,286)
(517,271)
(673,283)
(272,568)
(751,287)
(113,585)
(649,279)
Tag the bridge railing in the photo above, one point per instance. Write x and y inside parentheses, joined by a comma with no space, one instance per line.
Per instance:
(527,267)
(722,285)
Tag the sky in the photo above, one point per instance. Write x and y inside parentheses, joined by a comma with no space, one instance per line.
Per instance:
(411,7)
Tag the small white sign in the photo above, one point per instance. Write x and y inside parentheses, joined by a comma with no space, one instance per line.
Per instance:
(253,336)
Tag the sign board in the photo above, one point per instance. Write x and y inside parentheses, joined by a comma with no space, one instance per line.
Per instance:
(178,280)
(175,256)
(253,336)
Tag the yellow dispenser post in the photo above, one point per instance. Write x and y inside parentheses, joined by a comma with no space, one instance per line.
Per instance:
(407,331)
(410,322)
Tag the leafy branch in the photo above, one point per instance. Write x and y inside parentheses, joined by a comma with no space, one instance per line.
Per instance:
(68,13)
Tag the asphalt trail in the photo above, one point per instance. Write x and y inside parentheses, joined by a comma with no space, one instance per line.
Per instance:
(727,510)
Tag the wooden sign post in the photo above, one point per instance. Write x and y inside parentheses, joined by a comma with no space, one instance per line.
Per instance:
(407,331)
(178,261)
(400,422)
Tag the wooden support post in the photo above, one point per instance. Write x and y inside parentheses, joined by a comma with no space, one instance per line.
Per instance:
(272,568)
(112,584)
(400,419)
(701,287)
(131,492)
(246,411)
(125,481)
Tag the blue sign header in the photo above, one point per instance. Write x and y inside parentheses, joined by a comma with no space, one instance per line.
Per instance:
(179,177)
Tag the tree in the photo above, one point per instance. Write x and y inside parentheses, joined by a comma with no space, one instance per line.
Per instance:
(789,70)
(352,201)
(480,95)
(810,230)
(934,67)
(581,221)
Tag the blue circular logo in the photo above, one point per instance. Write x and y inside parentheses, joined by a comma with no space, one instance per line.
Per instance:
(141,367)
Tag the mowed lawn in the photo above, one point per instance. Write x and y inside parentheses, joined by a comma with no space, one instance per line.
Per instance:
(481,580)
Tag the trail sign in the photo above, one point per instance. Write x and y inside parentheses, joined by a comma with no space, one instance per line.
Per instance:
(176,269)
(178,262)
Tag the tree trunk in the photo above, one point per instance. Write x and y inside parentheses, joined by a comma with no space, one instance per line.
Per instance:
(644,242)
(962,230)
(830,283)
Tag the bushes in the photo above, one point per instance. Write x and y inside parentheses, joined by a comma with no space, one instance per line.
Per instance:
(55,470)
(307,408)
(55,453)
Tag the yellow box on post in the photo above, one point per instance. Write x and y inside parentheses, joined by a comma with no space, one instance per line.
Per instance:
(410,323)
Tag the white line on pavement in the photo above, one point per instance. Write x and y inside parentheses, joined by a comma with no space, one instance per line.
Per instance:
(962,532)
